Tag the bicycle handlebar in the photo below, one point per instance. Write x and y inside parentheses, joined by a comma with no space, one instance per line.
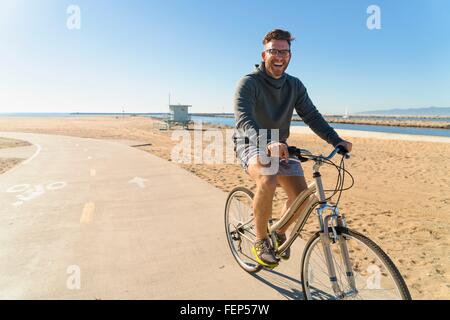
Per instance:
(341,150)
(305,155)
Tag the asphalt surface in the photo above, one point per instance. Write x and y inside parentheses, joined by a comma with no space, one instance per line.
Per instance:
(93,219)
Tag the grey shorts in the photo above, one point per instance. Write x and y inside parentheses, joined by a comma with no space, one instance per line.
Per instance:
(246,154)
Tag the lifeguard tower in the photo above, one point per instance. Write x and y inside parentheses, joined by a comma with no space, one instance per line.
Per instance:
(178,115)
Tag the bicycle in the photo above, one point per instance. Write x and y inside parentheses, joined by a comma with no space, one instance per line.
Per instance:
(337,262)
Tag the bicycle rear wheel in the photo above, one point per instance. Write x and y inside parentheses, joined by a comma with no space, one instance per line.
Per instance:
(240,228)
(375,275)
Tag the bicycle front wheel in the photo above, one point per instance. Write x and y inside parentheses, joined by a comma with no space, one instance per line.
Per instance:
(240,228)
(375,276)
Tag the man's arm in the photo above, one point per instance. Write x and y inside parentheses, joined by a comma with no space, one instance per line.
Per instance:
(244,104)
(312,117)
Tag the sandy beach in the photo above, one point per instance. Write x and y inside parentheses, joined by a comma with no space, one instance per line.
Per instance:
(401,196)
(8,163)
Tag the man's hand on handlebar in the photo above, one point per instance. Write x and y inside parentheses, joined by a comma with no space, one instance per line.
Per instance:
(346,145)
(278,149)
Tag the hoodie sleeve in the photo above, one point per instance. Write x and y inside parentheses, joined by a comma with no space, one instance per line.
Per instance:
(312,117)
(246,129)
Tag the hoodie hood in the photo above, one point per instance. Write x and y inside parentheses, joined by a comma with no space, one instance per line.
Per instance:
(261,72)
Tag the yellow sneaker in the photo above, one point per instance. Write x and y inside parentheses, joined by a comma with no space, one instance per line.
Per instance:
(264,254)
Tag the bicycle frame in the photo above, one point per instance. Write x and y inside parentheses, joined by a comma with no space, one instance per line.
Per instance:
(312,196)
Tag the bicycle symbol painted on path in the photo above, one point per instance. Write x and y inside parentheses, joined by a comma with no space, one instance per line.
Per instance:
(29,192)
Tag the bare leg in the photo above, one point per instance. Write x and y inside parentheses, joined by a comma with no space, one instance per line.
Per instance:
(262,202)
(293,186)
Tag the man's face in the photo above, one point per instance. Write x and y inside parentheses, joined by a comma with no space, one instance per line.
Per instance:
(276,64)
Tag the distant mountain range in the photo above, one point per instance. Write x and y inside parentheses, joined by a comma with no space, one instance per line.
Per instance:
(430,111)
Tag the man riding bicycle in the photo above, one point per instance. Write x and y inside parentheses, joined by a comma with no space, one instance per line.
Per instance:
(264,100)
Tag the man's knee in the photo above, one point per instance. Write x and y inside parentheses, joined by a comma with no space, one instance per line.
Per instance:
(267,183)
(263,181)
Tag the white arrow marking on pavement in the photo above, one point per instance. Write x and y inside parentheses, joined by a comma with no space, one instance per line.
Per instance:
(139,181)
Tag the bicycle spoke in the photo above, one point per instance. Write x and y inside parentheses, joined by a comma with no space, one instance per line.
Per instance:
(324,262)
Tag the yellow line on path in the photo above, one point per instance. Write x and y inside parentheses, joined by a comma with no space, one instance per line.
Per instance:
(88,212)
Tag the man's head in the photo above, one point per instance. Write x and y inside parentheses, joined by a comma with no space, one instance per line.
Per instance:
(277,52)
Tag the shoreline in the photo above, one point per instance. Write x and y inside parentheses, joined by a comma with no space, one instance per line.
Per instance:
(383,121)
(376,135)
(386,121)
(393,123)
(353,133)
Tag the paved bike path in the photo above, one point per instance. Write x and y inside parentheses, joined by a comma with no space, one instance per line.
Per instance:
(94,219)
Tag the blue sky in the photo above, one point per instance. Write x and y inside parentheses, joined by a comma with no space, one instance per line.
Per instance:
(131,54)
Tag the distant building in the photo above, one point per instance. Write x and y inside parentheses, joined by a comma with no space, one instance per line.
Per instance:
(345,116)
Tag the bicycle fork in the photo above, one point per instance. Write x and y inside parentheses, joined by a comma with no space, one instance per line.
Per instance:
(336,238)
(345,255)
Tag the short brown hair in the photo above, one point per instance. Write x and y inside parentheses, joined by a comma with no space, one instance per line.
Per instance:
(278,34)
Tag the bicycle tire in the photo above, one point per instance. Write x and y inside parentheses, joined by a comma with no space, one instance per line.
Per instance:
(397,278)
(246,264)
